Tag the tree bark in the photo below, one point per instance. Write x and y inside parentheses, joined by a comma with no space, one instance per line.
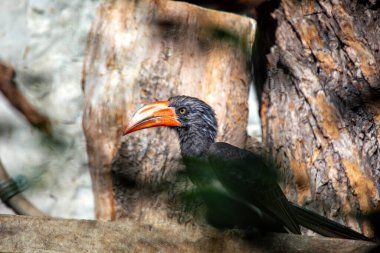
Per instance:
(32,234)
(319,103)
(141,51)
(242,7)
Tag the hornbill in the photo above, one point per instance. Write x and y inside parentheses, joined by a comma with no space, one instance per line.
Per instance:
(234,175)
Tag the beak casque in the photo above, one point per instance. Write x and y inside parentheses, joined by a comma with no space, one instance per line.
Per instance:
(153,114)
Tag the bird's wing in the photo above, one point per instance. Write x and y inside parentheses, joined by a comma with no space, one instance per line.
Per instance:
(248,177)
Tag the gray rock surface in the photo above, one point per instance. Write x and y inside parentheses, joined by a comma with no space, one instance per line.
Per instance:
(44,40)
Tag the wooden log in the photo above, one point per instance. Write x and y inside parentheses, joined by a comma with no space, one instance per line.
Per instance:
(319,106)
(243,7)
(33,234)
(140,51)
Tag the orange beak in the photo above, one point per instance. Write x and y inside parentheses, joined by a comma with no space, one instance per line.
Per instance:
(154,114)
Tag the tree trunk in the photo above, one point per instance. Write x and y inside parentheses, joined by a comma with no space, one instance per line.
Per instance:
(141,51)
(319,103)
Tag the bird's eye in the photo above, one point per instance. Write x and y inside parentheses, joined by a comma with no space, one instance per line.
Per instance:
(182,111)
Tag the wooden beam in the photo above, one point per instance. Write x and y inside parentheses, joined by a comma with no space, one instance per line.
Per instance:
(43,234)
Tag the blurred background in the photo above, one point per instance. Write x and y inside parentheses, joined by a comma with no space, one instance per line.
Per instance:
(44,41)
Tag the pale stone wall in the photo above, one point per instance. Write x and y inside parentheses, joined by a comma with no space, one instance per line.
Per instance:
(44,41)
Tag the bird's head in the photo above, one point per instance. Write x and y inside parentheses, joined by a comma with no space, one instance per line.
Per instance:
(191,117)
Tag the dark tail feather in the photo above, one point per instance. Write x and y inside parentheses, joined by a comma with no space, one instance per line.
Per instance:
(325,226)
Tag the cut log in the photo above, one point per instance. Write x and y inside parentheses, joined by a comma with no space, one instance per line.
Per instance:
(243,7)
(141,51)
(32,234)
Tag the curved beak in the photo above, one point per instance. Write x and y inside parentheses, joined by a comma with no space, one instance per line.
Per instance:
(154,114)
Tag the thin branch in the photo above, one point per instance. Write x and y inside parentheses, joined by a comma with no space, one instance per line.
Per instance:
(15,97)
(18,202)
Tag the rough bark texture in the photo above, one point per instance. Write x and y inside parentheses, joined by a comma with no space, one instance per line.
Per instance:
(141,51)
(243,7)
(320,107)
(27,234)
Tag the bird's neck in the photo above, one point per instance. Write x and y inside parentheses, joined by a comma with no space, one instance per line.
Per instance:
(195,141)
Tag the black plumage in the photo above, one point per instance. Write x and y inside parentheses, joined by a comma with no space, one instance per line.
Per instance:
(230,174)
(258,186)
(198,125)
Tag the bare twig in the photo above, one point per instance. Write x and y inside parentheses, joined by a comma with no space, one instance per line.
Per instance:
(14,96)
(18,202)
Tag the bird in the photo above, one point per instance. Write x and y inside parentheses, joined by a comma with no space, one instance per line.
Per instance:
(229,175)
